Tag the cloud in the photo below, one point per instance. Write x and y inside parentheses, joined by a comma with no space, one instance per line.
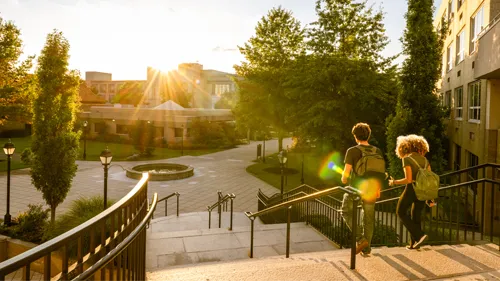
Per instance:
(220,49)
(171,10)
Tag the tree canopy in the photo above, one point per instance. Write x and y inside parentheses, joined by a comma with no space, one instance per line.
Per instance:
(17,85)
(131,92)
(55,145)
(278,41)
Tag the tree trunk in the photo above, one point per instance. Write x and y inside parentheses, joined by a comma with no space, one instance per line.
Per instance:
(280,141)
(52,214)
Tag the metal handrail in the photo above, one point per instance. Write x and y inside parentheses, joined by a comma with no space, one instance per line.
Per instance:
(218,204)
(288,205)
(44,250)
(123,245)
(166,205)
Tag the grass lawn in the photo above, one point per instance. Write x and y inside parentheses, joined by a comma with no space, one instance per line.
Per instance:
(94,148)
(314,172)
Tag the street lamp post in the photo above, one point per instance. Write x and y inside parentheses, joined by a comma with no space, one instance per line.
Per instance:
(106,157)
(282,158)
(264,150)
(85,124)
(9,149)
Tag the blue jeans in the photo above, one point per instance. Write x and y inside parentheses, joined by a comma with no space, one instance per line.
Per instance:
(367,220)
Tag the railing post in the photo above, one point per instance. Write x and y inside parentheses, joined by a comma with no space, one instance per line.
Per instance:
(288,213)
(219,193)
(166,207)
(220,214)
(231,218)
(354,230)
(177,194)
(209,217)
(251,236)
(307,212)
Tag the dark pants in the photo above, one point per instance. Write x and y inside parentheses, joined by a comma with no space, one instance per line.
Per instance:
(412,222)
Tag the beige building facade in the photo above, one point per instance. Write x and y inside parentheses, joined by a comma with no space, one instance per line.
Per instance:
(470,88)
(470,84)
(104,84)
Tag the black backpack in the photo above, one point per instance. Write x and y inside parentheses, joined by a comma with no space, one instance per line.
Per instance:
(370,161)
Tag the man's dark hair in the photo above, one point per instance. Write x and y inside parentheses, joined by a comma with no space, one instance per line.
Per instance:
(361,131)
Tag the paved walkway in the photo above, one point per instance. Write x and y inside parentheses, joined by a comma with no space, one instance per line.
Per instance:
(223,170)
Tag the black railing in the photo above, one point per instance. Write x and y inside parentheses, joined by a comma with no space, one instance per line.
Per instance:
(305,206)
(465,211)
(90,248)
(222,200)
(177,195)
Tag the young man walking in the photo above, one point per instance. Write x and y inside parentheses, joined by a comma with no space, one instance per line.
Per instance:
(365,168)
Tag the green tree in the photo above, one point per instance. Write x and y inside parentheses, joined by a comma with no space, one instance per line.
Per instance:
(55,145)
(344,79)
(17,86)
(131,92)
(278,41)
(228,100)
(418,110)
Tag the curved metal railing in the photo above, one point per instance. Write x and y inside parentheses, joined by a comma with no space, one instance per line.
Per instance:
(75,252)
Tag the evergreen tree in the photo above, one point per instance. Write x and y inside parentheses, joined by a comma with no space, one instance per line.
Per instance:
(17,86)
(278,41)
(418,110)
(55,145)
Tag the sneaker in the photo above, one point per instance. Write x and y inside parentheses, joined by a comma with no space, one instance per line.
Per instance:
(366,251)
(420,241)
(412,247)
(361,245)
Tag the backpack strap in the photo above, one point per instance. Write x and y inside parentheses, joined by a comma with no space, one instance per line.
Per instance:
(415,161)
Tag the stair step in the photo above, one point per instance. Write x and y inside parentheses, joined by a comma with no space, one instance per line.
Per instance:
(430,262)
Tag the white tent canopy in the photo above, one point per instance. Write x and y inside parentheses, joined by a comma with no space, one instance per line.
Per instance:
(169,105)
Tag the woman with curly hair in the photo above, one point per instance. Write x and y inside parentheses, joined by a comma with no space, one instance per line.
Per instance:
(411,149)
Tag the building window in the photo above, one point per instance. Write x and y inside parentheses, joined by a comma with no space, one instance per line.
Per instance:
(459,103)
(450,9)
(221,89)
(159,132)
(111,88)
(178,132)
(122,129)
(446,99)
(100,128)
(459,4)
(476,25)
(475,101)
(449,59)
(103,88)
(472,161)
(460,46)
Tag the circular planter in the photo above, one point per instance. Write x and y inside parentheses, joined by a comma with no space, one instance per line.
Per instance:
(161,171)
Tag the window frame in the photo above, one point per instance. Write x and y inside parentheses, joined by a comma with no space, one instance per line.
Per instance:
(458,103)
(474,109)
(475,30)
(460,47)
(449,57)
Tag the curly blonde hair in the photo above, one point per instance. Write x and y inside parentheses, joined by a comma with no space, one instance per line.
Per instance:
(406,145)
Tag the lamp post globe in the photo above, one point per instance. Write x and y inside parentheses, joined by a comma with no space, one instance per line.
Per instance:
(8,149)
(106,157)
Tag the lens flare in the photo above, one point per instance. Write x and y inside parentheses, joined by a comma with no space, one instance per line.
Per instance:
(331,166)
(370,189)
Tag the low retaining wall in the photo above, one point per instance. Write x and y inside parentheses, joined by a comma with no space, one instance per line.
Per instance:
(182,171)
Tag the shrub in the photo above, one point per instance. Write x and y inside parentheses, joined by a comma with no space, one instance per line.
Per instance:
(213,134)
(28,226)
(27,156)
(80,211)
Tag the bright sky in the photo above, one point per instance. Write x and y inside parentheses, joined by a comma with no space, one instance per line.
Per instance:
(125,36)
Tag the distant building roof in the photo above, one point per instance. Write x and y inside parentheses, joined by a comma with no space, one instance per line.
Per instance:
(88,97)
(169,105)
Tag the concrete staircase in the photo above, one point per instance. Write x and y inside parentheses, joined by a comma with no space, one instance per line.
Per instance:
(187,240)
(445,262)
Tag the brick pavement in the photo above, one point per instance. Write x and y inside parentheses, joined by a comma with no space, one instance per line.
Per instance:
(223,170)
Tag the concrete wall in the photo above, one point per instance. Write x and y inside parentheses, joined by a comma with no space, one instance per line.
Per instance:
(97,76)
(488,57)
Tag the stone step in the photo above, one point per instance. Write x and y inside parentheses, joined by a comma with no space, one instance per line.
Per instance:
(460,262)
